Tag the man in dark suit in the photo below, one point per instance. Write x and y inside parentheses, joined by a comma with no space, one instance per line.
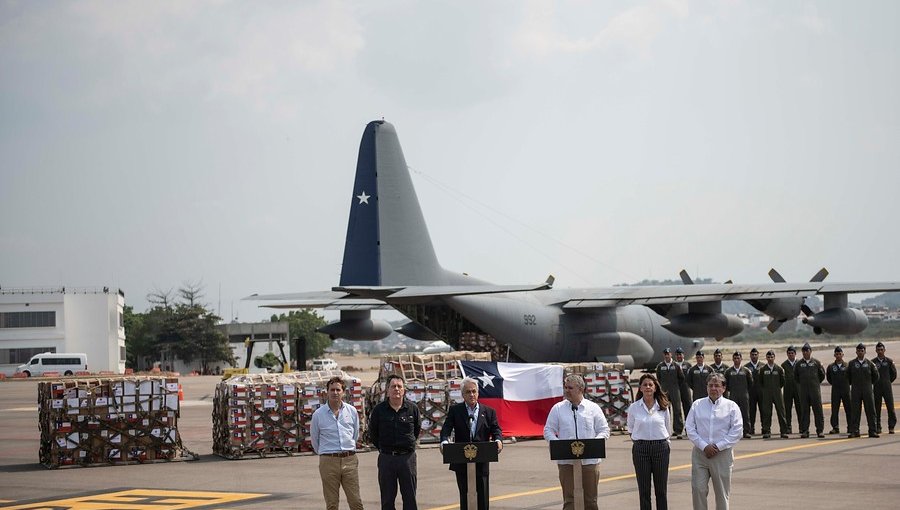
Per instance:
(472,422)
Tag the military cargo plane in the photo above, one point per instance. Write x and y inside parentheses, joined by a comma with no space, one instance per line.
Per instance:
(389,263)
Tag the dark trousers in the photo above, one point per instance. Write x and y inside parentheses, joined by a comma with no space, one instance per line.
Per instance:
(811,399)
(651,464)
(394,470)
(755,404)
(743,402)
(861,397)
(838,398)
(686,399)
(885,392)
(791,402)
(482,488)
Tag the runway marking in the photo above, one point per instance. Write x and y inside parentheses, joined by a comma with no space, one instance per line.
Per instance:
(672,468)
(140,499)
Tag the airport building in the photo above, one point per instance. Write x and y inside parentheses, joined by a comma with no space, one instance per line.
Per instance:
(62,319)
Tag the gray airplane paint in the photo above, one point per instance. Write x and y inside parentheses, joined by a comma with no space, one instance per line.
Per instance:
(389,261)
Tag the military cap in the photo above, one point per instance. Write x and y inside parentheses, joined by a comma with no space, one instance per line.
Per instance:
(736,354)
(667,351)
(718,351)
(770,353)
(791,348)
(679,349)
(806,347)
(699,353)
(838,349)
(860,346)
(879,345)
(754,351)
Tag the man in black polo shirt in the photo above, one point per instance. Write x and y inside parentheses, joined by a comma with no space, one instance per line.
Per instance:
(394,427)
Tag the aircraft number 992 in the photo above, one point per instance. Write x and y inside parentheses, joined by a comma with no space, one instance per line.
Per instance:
(530,320)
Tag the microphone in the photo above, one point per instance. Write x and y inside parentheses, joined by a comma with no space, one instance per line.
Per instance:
(575,419)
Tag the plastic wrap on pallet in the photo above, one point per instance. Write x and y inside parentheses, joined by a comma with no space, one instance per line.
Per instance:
(609,386)
(263,415)
(425,367)
(109,421)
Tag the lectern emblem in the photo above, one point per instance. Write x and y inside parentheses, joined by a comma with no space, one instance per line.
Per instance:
(470,451)
(577,448)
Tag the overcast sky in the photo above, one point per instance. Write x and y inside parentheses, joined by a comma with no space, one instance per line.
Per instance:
(144,144)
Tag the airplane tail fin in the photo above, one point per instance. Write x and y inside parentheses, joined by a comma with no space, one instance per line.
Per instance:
(387,239)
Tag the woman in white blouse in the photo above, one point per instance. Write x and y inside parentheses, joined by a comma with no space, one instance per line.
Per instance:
(650,424)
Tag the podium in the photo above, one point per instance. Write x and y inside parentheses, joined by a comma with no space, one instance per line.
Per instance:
(470,454)
(578,449)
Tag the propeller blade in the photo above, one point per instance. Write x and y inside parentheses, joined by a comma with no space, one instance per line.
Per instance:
(774,325)
(776,276)
(729,282)
(820,276)
(807,311)
(685,277)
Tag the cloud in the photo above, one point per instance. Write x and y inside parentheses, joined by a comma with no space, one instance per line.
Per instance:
(543,32)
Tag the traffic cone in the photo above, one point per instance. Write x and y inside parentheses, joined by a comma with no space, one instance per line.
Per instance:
(180,393)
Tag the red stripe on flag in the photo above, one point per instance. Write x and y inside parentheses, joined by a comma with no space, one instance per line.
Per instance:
(521,418)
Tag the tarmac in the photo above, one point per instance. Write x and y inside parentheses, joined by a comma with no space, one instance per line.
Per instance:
(835,472)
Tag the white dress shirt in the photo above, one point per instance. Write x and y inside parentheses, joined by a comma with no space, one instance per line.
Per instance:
(590,421)
(719,423)
(649,424)
(334,434)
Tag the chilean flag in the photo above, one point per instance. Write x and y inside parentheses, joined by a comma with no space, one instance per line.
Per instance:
(521,393)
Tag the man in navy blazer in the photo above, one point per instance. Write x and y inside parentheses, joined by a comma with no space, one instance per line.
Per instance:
(472,422)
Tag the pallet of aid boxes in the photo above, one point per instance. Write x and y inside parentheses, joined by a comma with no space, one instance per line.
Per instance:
(269,415)
(109,421)
(432,382)
(609,386)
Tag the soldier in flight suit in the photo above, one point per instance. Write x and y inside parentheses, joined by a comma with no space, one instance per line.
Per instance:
(771,380)
(887,373)
(670,377)
(862,375)
(836,373)
(718,366)
(753,366)
(810,373)
(696,377)
(739,380)
(791,391)
(683,387)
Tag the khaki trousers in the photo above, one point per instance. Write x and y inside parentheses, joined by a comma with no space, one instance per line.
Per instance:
(337,471)
(717,470)
(590,477)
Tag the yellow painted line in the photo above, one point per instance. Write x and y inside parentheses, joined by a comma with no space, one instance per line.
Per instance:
(143,499)
(672,468)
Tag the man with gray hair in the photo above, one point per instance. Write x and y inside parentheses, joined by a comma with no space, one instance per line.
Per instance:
(573,418)
(714,425)
(472,421)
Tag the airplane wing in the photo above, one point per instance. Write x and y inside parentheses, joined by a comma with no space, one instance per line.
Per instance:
(328,300)
(583,299)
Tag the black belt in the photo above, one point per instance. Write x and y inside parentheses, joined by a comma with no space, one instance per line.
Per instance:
(345,453)
(396,452)
(650,440)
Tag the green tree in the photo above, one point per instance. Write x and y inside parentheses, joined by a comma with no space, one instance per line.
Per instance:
(303,323)
(267,360)
(195,336)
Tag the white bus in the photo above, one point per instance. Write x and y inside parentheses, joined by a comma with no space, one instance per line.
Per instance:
(65,363)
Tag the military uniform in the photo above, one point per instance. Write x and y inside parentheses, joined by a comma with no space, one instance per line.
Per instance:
(670,379)
(684,388)
(791,393)
(837,377)
(696,378)
(753,393)
(720,368)
(887,373)
(862,375)
(771,380)
(739,380)
(810,374)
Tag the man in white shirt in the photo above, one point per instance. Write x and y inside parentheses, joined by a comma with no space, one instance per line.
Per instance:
(573,418)
(334,432)
(714,425)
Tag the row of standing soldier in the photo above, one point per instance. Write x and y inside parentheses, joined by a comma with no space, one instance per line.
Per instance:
(765,386)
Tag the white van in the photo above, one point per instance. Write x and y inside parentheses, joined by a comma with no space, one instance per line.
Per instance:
(65,363)
(324,364)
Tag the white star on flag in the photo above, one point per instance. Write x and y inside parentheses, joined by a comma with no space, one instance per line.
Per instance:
(486,380)
(363,199)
